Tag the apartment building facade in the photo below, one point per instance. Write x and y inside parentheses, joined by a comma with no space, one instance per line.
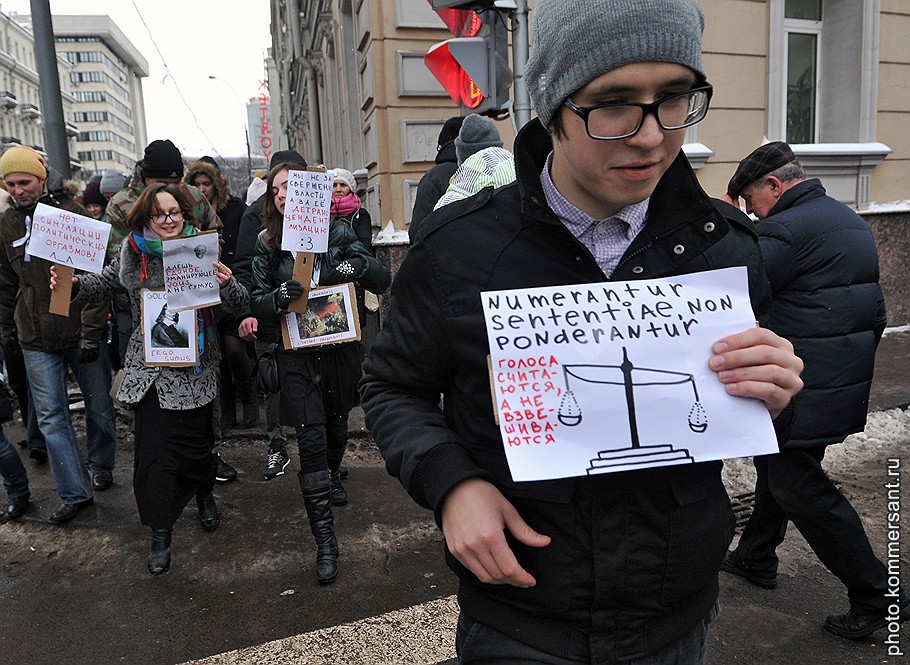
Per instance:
(830,76)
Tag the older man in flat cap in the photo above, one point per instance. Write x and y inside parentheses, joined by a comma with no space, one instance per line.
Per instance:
(822,264)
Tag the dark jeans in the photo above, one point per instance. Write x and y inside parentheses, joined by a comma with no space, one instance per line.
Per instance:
(15,478)
(480,644)
(793,485)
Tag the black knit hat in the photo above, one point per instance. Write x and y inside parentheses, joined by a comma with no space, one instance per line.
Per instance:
(449,131)
(286,156)
(761,162)
(162,160)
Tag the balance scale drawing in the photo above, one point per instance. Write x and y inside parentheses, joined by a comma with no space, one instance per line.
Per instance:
(632,377)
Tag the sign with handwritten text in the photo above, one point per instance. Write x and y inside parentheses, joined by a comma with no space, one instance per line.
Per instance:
(306,212)
(612,376)
(68,239)
(189,271)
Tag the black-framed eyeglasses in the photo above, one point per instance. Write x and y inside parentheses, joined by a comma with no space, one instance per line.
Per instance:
(162,217)
(607,122)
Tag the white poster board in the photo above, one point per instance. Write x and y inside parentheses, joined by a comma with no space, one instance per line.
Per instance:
(330,317)
(606,377)
(189,271)
(169,338)
(307,212)
(68,239)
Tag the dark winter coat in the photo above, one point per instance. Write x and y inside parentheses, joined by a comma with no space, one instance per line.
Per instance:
(432,186)
(229,208)
(634,556)
(25,292)
(822,263)
(250,226)
(271,267)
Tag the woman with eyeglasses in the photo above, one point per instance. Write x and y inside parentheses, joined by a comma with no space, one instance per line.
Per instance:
(173,405)
(318,384)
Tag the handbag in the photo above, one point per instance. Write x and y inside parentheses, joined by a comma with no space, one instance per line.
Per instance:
(267,369)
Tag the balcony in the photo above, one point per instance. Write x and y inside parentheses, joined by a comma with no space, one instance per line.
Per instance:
(71,130)
(39,149)
(30,112)
(7,142)
(8,100)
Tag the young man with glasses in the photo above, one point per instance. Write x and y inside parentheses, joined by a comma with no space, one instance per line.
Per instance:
(603,568)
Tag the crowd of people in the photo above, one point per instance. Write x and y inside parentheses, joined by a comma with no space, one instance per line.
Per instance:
(177,413)
(618,567)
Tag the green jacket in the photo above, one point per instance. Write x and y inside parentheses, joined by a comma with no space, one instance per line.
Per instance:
(25,292)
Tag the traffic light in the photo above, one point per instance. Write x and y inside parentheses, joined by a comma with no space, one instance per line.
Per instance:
(474,66)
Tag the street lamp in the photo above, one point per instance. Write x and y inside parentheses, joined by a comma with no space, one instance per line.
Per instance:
(246,131)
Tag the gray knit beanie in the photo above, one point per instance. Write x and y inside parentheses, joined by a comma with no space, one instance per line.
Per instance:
(575,41)
(476,133)
(112,182)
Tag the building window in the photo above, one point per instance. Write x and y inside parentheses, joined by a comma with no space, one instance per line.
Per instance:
(803,27)
(835,41)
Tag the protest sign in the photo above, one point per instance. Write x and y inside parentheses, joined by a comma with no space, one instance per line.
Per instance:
(307,212)
(189,271)
(612,376)
(168,338)
(330,317)
(69,240)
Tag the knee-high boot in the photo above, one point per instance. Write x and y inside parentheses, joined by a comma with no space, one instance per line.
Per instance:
(317,499)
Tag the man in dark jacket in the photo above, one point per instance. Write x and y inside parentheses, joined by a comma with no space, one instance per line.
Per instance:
(51,344)
(822,263)
(608,567)
(434,182)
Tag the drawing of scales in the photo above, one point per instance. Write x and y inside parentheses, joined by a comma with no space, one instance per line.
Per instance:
(569,413)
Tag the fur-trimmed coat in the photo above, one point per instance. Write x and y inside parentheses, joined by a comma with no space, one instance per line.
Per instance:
(230,208)
(179,388)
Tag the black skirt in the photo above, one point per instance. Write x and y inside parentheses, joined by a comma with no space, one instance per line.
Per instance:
(317,383)
(173,459)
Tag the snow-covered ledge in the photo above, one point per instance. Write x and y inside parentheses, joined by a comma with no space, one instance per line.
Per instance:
(698,154)
(844,168)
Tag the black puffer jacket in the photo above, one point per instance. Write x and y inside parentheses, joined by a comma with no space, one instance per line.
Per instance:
(822,263)
(433,185)
(633,560)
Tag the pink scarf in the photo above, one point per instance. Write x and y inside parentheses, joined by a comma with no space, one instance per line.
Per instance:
(345,205)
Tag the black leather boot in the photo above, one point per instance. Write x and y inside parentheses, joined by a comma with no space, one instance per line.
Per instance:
(338,492)
(208,510)
(317,499)
(160,555)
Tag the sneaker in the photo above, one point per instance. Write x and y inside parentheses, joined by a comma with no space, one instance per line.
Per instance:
(278,461)
(225,472)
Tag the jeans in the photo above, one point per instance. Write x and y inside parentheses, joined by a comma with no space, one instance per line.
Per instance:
(15,478)
(480,644)
(47,379)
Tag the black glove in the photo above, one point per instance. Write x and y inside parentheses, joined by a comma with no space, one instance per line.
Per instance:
(347,271)
(89,350)
(287,292)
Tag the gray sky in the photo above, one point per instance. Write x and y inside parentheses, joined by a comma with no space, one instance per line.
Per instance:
(197,38)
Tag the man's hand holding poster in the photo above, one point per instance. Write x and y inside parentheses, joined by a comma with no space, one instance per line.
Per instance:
(612,376)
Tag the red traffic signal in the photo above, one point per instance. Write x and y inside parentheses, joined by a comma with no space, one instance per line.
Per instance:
(461,22)
(473,68)
(460,66)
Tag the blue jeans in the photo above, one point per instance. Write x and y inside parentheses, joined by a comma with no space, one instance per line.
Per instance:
(479,644)
(47,379)
(15,478)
